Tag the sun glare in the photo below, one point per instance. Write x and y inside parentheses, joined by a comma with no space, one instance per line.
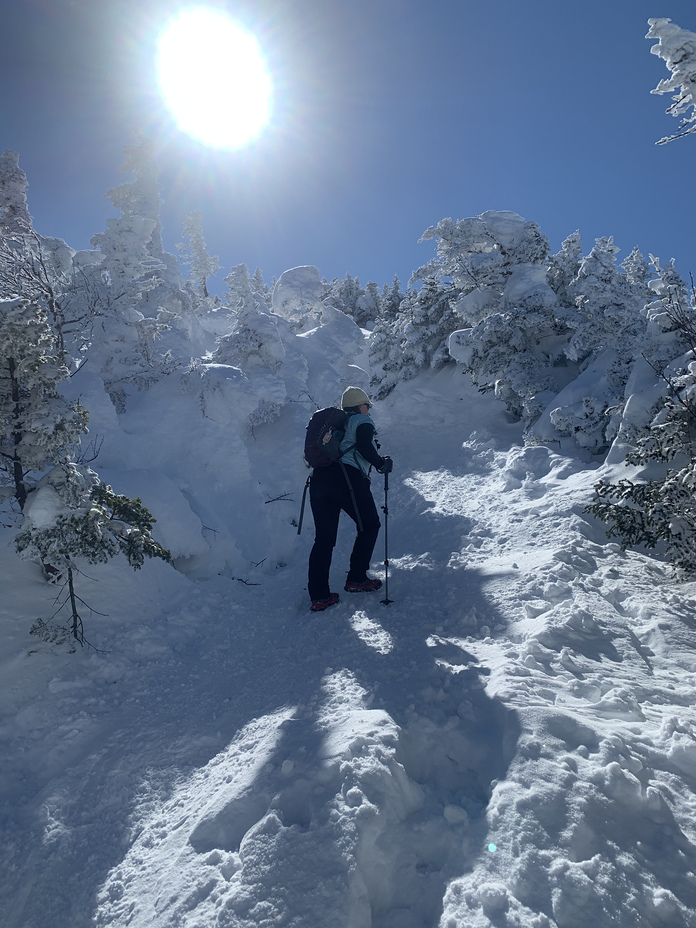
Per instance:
(214,79)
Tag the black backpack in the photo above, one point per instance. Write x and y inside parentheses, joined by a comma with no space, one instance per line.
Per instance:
(325,433)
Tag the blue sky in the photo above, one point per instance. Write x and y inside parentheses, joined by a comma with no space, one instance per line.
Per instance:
(389,115)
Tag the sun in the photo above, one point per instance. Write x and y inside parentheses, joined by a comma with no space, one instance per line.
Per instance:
(213,78)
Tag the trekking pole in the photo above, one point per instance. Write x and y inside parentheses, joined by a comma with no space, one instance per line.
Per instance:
(385,510)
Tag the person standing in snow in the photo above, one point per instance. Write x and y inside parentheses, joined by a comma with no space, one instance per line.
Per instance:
(345,485)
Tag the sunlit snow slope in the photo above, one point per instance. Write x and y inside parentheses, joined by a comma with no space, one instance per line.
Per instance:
(511,742)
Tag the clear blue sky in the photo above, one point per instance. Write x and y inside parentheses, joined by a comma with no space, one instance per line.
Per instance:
(389,116)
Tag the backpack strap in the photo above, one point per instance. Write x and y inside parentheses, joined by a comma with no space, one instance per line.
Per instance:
(304,499)
(352,496)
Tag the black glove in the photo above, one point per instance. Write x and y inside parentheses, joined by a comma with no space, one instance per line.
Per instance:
(387,466)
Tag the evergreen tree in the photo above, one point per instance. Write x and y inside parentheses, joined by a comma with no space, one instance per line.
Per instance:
(677,47)
(38,427)
(141,196)
(391,300)
(478,256)
(662,511)
(73,517)
(344,295)
(254,340)
(261,290)
(416,338)
(563,268)
(140,283)
(608,304)
(637,270)
(368,306)
(132,244)
(671,305)
(14,212)
(201,264)
(44,270)
(463,285)
(517,352)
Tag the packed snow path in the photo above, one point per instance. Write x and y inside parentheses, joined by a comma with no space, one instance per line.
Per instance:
(510,743)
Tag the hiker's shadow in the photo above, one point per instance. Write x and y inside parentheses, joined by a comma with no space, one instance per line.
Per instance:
(455,740)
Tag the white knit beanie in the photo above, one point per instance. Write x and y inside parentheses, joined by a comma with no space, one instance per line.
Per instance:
(354,396)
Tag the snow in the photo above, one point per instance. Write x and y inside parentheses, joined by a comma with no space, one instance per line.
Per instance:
(297,291)
(512,741)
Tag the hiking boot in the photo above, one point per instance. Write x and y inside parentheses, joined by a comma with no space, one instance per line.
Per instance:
(318,605)
(362,586)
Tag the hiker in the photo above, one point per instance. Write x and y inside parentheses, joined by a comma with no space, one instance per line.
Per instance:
(345,485)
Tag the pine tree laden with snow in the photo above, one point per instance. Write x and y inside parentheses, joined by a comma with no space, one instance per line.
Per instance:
(478,260)
(607,312)
(415,339)
(677,47)
(662,511)
(563,267)
(201,263)
(37,426)
(254,340)
(478,255)
(143,295)
(261,289)
(645,514)
(362,305)
(606,325)
(14,212)
(45,269)
(73,517)
(141,196)
(391,300)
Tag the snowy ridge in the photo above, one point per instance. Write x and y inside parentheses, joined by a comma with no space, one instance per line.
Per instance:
(511,742)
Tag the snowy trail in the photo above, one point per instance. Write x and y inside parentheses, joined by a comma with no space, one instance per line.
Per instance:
(371,782)
(511,742)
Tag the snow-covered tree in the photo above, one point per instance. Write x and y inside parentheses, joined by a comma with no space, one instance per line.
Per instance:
(195,253)
(563,268)
(647,513)
(608,304)
(637,270)
(369,305)
(478,255)
(671,304)
(43,269)
(517,352)
(670,432)
(677,47)
(391,299)
(14,212)
(261,289)
(416,338)
(254,340)
(463,285)
(142,292)
(125,246)
(607,330)
(72,517)
(141,196)
(38,427)
(362,305)
(132,244)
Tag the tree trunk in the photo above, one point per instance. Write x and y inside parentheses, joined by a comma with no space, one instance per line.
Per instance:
(77,627)
(17,469)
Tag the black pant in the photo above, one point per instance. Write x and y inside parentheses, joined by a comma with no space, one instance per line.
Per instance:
(329,493)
